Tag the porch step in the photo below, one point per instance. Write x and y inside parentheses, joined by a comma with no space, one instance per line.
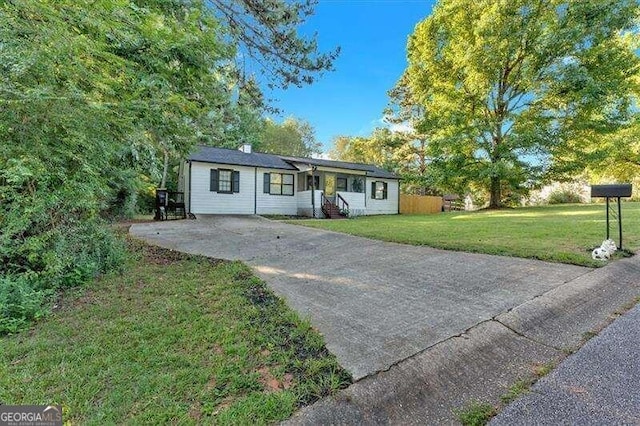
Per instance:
(331,211)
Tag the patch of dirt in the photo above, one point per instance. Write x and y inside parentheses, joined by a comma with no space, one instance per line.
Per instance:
(259,295)
(216,262)
(88,298)
(243,274)
(287,381)
(217,349)
(195,411)
(70,300)
(161,256)
(211,384)
(224,404)
(270,383)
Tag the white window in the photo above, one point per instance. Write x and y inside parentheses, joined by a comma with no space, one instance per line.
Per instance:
(278,184)
(379,190)
(224,181)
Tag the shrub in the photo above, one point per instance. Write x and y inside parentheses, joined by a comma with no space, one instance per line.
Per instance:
(564,196)
(64,257)
(20,303)
(50,237)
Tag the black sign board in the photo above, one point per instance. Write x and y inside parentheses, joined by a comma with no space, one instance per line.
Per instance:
(612,191)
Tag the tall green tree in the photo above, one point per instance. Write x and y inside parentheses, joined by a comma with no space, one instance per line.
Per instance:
(267,31)
(413,129)
(382,148)
(92,94)
(518,85)
(616,157)
(291,137)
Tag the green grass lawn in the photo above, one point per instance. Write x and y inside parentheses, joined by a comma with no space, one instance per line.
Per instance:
(564,233)
(175,339)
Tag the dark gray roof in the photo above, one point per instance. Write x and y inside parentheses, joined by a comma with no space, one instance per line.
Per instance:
(209,154)
(373,171)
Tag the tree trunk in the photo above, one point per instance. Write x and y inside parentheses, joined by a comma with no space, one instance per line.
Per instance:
(496,195)
(165,169)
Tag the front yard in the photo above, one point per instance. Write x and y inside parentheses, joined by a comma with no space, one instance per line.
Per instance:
(564,233)
(175,339)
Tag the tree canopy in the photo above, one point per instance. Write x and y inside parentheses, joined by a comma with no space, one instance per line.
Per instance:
(515,91)
(292,137)
(267,31)
(94,93)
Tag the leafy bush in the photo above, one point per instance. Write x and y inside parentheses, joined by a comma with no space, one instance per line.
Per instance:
(20,303)
(564,196)
(50,236)
(64,257)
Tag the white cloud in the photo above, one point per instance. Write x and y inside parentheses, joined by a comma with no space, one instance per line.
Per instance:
(321,156)
(401,127)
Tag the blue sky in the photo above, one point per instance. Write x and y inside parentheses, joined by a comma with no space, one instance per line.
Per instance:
(373,36)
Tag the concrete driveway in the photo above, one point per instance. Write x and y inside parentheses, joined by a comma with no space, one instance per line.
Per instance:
(376,303)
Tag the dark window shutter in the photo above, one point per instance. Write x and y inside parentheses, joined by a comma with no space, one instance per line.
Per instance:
(373,190)
(266,183)
(384,190)
(235,182)
(213,183)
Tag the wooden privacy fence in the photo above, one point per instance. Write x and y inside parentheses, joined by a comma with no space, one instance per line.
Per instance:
(420,204)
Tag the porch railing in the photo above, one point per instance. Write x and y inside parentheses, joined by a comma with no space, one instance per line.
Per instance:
(342,204)
(333,210)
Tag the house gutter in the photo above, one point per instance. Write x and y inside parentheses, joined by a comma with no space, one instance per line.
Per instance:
(255,190)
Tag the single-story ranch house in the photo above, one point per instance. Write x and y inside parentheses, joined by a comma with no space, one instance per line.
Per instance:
(228,181)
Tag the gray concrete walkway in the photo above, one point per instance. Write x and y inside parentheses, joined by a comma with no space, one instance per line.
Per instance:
(376,303)
(425,332)
(598,385)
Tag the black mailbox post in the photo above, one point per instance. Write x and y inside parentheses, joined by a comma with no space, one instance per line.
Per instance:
(613,191)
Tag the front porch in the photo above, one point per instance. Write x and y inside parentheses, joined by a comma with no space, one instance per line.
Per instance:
(330,194)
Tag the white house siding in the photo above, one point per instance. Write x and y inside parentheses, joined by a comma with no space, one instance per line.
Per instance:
(356,202)
(305,208)
(204,201)
(388,206)
(276,204)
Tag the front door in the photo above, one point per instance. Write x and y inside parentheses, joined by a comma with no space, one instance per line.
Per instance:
(330,186)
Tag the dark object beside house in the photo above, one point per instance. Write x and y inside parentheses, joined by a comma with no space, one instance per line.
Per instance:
(169,205)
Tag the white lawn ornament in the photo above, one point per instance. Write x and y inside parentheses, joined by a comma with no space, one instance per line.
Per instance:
(600,254)
(605,251)
(609,245)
